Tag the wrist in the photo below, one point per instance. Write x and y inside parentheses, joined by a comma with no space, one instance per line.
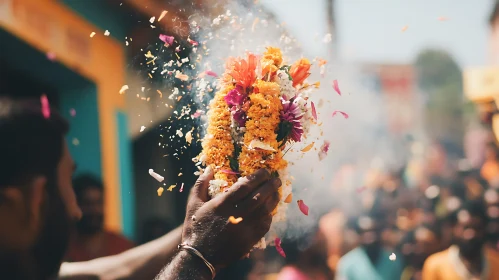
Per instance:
(195,264)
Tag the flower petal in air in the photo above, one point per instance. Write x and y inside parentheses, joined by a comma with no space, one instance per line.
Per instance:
(235,221)
(336,87)
(45,106)
(156,176)
(314,112)
(279,248)
(303,207)
(226,171)
(166,39)
(211,73)
(308,147)
(345,115)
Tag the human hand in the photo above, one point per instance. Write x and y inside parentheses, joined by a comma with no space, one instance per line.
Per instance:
(206,225)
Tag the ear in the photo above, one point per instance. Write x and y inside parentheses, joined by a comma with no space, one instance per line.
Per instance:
(36,198)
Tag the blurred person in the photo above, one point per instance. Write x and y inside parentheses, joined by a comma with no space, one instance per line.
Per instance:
(490,169)
(153,228)
(415,247)
(370,260)
(491,198)
(38,206)
(90,240)
(468,257)
(307,264)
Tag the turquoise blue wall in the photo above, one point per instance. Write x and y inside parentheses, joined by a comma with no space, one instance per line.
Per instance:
(84,127)
(126,176)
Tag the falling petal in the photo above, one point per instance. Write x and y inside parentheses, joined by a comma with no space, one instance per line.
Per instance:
(393,257)
(336,87)
(211,73)
(279,248)
(194,43)
(180,76)
(235,221)
(308,148)
(92,34)
(324,150)
(160,191)
(182,187)
(163,14)
(72,112)
(51,56)
(188,137)
(405,28)
(45,106)
(345,115)
(171,188)
(156,176)
(107,33)
(314,112)
(142,128)
(303,207)
(289,198)
(152,19)
(166,39)
(442,18)
(197,114)
(123,89)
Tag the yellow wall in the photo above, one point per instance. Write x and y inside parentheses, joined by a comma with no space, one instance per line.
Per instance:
(50,27)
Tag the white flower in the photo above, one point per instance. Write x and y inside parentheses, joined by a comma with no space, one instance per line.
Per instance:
(215,187)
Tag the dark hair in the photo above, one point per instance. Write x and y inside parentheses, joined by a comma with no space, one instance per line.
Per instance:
(30,144)
(476,208)
(85,181)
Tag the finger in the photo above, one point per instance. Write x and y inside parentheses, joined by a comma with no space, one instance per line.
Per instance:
(244,186)
(199,192)
(267,207)
(260,196)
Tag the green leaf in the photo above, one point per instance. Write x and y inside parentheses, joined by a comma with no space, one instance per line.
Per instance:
(286,68)
(283,130)
(234,164)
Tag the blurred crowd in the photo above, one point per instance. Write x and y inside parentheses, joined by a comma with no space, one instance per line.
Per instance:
(436,220)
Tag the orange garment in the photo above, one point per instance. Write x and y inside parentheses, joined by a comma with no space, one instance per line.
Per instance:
(112,244)
(490,170)
(442,266)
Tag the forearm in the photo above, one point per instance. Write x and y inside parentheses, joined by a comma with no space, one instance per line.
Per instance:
(143,262)
(185,266)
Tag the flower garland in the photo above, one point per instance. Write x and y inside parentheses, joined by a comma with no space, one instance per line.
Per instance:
(261,109)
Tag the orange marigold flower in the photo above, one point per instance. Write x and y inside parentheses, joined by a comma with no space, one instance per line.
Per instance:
(299,71)
(242,70)
(271,61)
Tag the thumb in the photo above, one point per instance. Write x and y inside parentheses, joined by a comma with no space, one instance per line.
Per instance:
(199,192)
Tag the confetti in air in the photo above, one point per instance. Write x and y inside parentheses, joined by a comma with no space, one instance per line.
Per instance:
(160,191)
(168,40)
(345,115)
(393,257)
(51,56)
(156,176)
(235,221)
(163,14)
(279,248)
(123,89)
(336,87)
(303,207)
(308,147)
(45,106)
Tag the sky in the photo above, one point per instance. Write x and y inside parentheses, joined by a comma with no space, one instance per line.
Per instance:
(371,30)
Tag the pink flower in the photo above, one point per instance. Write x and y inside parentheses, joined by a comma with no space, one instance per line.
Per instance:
(290,118)
(235,99)
(167,39)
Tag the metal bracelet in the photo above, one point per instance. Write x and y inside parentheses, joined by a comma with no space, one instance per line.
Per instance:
(194,251)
